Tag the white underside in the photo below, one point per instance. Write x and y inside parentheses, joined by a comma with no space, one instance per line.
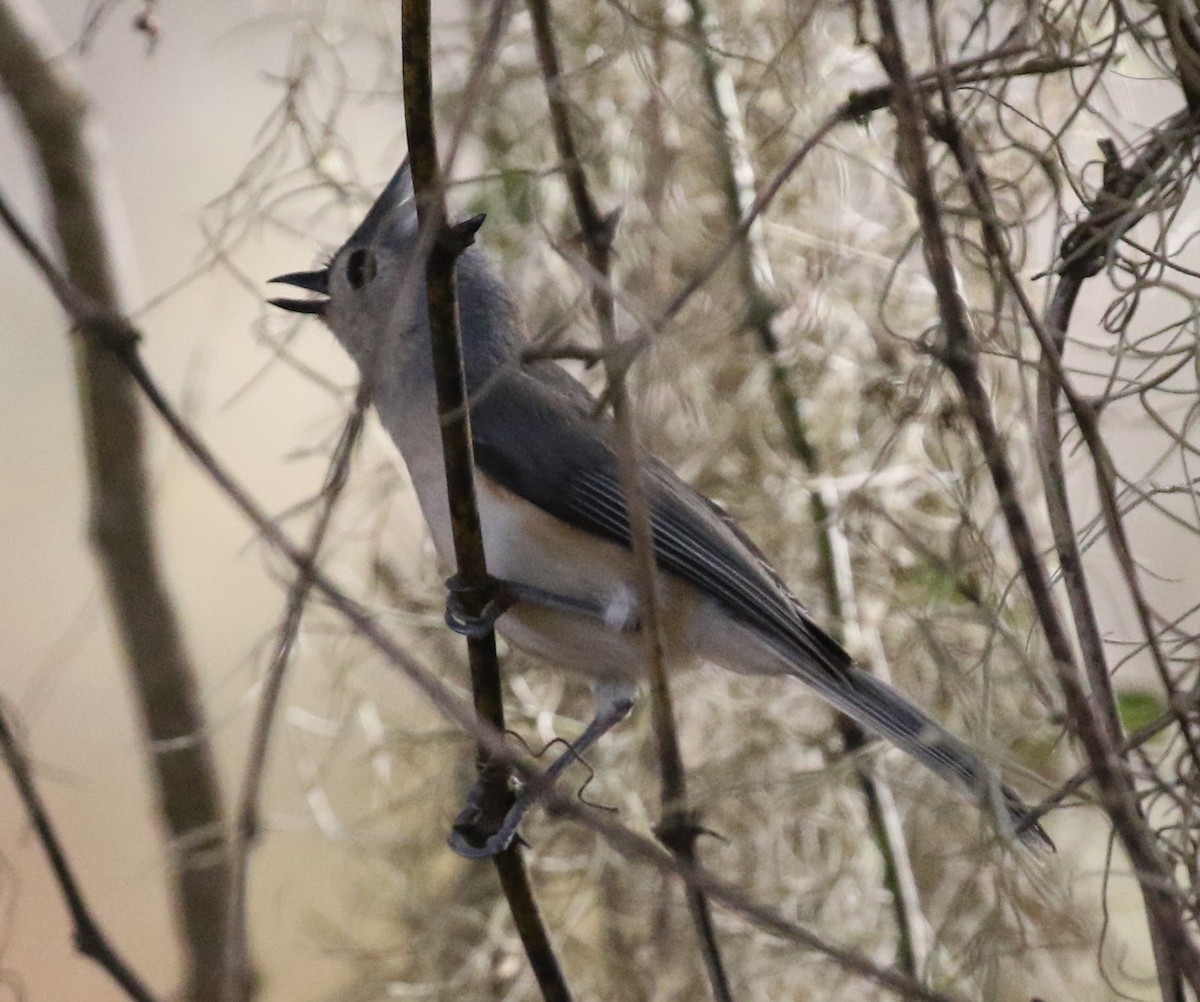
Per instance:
(526,545)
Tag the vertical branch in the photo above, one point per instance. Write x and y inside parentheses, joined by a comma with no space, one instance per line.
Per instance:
(1051,381)
(677,828)
(445,243)
(959,355)
(121,525)
(944,127)
(1113,212)
(238,971)
(758,284)
(1054,477)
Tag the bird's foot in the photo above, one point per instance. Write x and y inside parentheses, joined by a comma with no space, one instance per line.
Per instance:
(477,832)
(505,594)
(475,626)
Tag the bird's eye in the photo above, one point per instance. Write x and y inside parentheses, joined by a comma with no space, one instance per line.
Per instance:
(360,268)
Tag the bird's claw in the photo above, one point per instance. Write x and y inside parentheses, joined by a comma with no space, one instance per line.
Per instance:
(476,836)
(475,626)
(468,845)
(502,595)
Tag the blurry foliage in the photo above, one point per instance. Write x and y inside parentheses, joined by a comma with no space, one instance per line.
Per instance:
(1139,709)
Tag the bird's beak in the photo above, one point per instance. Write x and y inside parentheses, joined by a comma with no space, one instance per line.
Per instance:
(313,281)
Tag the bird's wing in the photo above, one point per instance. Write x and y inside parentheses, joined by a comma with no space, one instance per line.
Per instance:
(536,437)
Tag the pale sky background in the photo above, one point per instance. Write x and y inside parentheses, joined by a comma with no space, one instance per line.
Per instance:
(179,126)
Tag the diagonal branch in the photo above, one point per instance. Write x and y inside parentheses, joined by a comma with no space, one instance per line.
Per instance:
(89,937)
(758,284)
(857,107)
(678,828)
(959,354)
(238,972)
(121,526)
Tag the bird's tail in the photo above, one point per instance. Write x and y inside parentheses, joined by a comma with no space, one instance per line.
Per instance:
(885,712)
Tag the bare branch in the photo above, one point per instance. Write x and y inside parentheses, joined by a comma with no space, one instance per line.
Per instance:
(475,587)
(239,979)
(678,827)
(958,352)
(89,937)
(121,524)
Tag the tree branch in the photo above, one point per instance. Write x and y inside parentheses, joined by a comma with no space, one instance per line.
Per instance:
(238,971)
(476,588)
(89,937)
(958,353)
(678,827)
(757,280)
(121,524)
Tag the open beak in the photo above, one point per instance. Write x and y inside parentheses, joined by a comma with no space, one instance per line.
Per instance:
(312,281)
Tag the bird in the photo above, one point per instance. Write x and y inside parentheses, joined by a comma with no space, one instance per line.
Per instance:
(556,526)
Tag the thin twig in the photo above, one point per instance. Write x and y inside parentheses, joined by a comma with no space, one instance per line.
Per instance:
(1143,735)
(677,827)
(958,353)
(855,108)
(89,938)
(238,983)
(858,106)
(477,588)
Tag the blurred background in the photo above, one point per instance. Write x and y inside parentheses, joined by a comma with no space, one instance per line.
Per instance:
(176,126)
(219,177)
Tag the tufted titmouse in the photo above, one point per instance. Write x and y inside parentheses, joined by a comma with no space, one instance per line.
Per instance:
(555,527)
